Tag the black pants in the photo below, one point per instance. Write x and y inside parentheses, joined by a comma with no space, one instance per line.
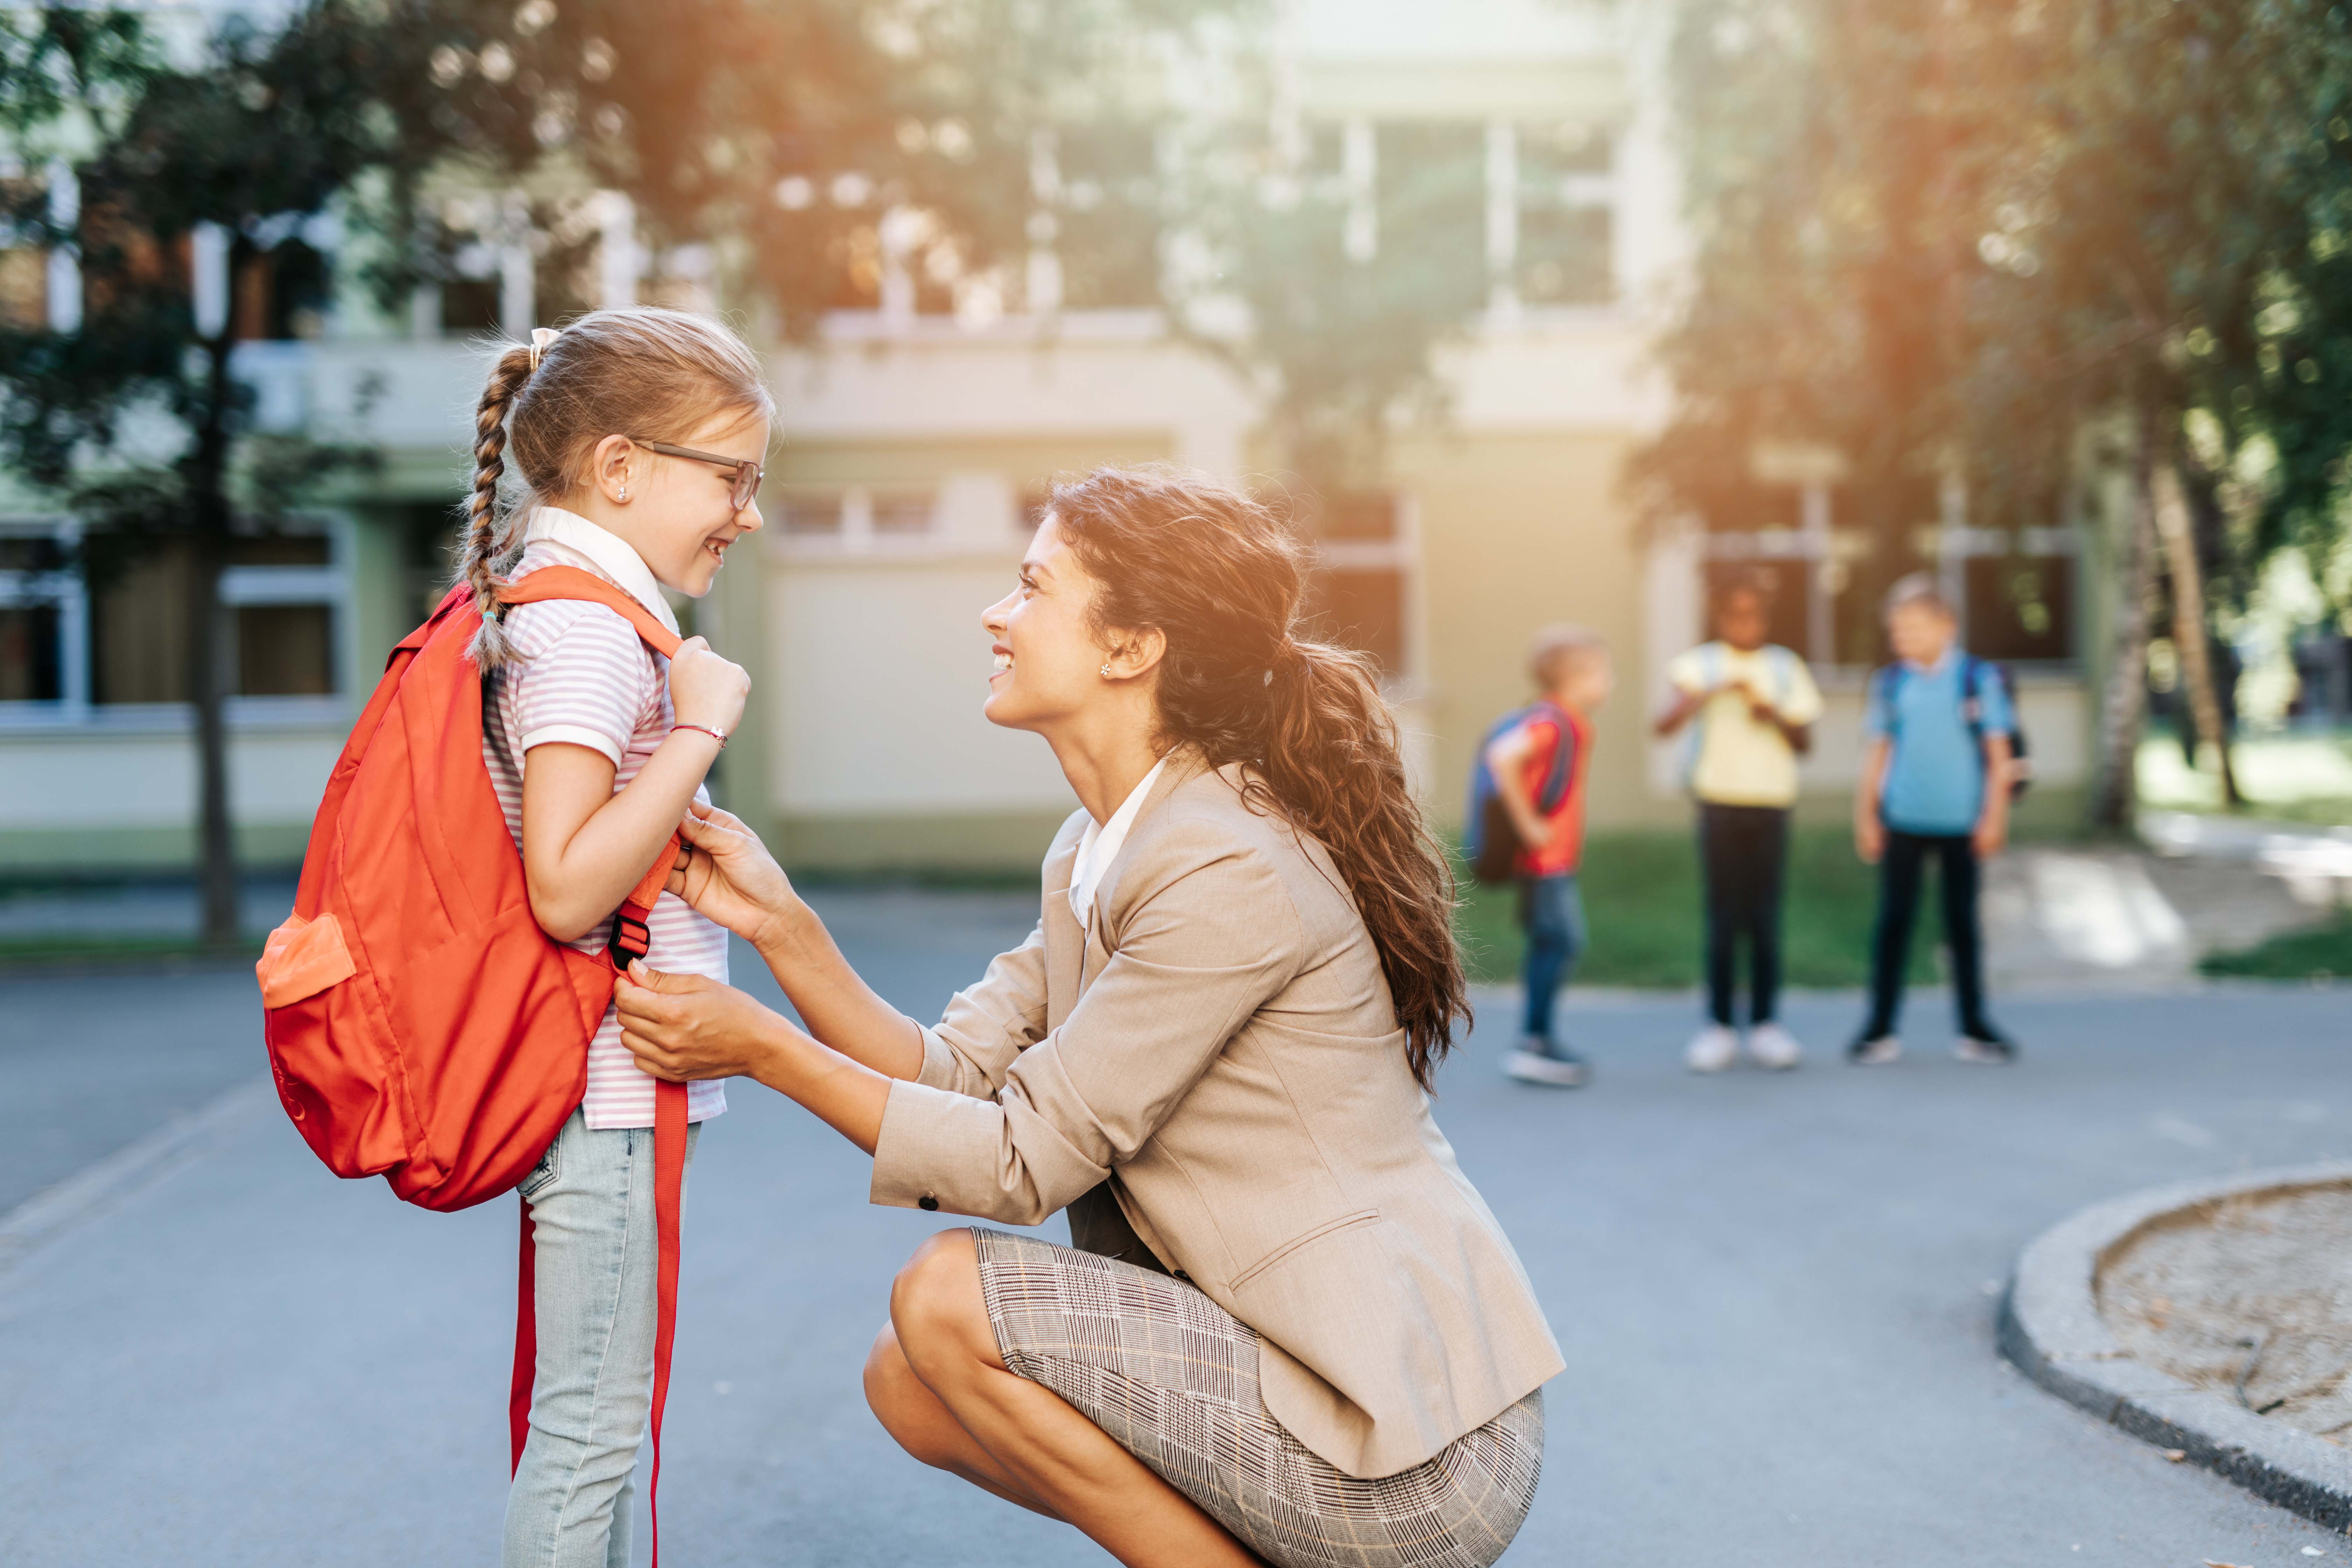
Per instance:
(1743,852)
(1898,906)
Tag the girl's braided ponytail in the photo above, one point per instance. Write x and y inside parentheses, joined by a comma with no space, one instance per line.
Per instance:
(485,541)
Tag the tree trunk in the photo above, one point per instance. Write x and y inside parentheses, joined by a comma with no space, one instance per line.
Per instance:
(206,472)
(2123,707)
(2173,527)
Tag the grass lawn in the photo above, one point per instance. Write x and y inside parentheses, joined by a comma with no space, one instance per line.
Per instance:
(1642,899)
(2301,776)
(2321,952)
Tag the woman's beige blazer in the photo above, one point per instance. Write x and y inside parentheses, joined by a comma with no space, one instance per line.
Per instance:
(1220,1052)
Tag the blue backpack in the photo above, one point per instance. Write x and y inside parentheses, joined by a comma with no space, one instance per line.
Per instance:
(1887,685)
(1489,841)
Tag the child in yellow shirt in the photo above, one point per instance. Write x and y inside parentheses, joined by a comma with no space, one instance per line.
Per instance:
(1755,704)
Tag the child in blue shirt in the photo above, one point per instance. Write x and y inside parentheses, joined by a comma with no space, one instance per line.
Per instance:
(1934,786)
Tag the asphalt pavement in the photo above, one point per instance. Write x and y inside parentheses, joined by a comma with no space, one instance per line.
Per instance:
(1776,1294)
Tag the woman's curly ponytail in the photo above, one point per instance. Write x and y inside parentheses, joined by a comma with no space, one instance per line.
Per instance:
(1221,578)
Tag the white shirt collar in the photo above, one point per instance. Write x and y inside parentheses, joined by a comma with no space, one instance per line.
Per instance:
(1100,844)
(576,542)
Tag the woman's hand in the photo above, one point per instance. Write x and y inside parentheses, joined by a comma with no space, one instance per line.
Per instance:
(682,1028)
(728,875)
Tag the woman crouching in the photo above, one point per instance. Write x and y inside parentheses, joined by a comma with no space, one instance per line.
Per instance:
(1288,1328)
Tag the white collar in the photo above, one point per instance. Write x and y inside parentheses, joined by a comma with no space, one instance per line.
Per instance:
(600,551)
(1101,843)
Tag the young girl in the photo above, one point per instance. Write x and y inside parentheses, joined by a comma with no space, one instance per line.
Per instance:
(639,434)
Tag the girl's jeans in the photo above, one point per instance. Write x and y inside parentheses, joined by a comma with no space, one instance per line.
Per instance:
(592,1209)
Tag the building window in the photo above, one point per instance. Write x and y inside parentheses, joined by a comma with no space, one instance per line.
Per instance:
(1432,203)
(1360,591)
(812,514)
(857,519)
(2013,589)
(469,307)
(40,607)
(138,622)
(904,513)
(1565,221)
(285,650)
(107,626)
(24,287)
(283,293)
(2019,607)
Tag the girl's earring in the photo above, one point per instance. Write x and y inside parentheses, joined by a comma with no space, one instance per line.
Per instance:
(1105,670)
(625,494)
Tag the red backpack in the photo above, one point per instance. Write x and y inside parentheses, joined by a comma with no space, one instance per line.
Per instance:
(420,1026)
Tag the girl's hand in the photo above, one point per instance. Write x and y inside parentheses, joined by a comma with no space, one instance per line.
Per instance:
(728,876)
(683,1028)
(704,688)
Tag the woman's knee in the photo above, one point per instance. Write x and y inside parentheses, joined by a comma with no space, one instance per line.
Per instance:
(936,1312)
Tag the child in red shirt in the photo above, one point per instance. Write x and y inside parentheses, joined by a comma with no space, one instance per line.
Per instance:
(1572,668)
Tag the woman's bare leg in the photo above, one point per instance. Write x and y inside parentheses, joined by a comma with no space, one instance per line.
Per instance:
(913,1414)
(1032,1437)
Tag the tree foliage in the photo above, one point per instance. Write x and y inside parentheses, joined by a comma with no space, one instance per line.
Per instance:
(2009,240)
(780,133)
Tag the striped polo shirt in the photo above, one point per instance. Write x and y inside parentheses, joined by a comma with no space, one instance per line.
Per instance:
(581,675)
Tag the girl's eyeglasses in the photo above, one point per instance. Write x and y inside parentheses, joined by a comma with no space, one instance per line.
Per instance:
(747,474)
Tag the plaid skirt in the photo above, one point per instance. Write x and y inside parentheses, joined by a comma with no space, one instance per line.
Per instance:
(1172,1378)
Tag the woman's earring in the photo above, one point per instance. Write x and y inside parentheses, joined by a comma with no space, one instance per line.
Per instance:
(1106,669)
(624,493)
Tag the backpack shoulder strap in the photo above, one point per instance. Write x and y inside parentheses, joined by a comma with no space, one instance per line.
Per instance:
(1885,686)
(1562,770)
(572,583)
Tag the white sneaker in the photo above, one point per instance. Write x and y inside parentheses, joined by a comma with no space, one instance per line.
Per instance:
(1537,1062)
(1872,1053)
(1774,1046)
(1712,1049)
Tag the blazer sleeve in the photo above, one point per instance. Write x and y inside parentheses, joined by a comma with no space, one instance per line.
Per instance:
(988,1024)
(1195,957)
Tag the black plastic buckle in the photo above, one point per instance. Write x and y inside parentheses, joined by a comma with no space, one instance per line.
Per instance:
(631,938)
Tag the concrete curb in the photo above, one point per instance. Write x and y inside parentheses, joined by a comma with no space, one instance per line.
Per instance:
(2049,1326)
(52,1211)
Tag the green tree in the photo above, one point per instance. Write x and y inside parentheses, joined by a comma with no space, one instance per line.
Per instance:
(780,134)
(256,133)
(2014,245)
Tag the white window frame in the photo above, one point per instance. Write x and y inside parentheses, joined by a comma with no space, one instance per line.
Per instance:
(1505,208)
(69,596)
(76,708)
(1400,552)
(1825,552)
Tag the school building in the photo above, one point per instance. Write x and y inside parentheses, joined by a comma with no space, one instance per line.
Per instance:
(917,436)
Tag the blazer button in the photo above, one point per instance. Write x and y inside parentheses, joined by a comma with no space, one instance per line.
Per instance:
(928,1204)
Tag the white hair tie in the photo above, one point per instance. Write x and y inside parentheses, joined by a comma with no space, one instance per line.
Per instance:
(540,338)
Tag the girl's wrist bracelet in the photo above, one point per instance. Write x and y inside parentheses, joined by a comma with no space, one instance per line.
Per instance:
(718,735)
